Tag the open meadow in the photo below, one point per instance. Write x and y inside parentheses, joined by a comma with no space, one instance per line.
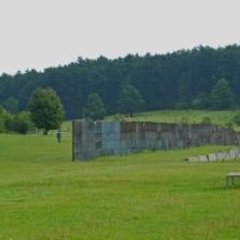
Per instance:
(150,195)
(188,116)
(222,118)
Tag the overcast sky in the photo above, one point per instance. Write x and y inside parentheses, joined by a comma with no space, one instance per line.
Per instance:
(43,33)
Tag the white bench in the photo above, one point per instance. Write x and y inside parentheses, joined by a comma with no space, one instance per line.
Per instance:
(230,178)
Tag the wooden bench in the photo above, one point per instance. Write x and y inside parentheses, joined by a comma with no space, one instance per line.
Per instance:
(230,178)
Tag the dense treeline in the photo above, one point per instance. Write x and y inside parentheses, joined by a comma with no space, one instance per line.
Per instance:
(175,80)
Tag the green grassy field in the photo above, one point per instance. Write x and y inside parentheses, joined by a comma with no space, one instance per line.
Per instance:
(222,118)
(152,195)
(191,116)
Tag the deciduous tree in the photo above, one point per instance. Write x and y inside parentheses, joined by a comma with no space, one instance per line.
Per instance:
(46,109)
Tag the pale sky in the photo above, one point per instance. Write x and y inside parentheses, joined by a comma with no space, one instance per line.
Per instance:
(42,33)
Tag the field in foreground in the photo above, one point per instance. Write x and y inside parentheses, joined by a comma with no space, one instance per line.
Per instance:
(153,195)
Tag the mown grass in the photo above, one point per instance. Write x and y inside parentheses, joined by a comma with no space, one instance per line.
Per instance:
(152,195)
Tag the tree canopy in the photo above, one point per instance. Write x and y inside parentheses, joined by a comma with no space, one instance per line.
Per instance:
(46,109)
(95,108)
(130,100)
(164,80)
(222,96)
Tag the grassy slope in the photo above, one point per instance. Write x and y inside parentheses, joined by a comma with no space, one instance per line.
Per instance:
(189,116)
(153,195)
(193,116)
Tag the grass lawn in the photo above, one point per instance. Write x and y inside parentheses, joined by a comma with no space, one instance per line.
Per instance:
(223,118)
(152,195)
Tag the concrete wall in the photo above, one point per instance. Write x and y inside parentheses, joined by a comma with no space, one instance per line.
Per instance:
(115,138)
(217,156)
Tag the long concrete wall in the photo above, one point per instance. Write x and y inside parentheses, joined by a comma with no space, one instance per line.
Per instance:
(93,139)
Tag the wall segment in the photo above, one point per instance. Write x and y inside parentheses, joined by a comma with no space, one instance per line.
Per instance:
(100,138)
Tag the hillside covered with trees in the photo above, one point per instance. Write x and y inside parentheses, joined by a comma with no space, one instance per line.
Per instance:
(200,78)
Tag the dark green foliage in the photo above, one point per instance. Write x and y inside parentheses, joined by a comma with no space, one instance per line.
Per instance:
(182,105)
(184,94)
(95,108)
(20,123)
(11,104)
(46,109)
(222,96)
(130,100)
(3,118)
(165,81)
(202,101)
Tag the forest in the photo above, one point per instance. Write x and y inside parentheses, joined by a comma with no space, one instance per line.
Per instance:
(200,78)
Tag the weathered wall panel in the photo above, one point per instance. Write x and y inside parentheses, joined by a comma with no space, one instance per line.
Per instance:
(115,138)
